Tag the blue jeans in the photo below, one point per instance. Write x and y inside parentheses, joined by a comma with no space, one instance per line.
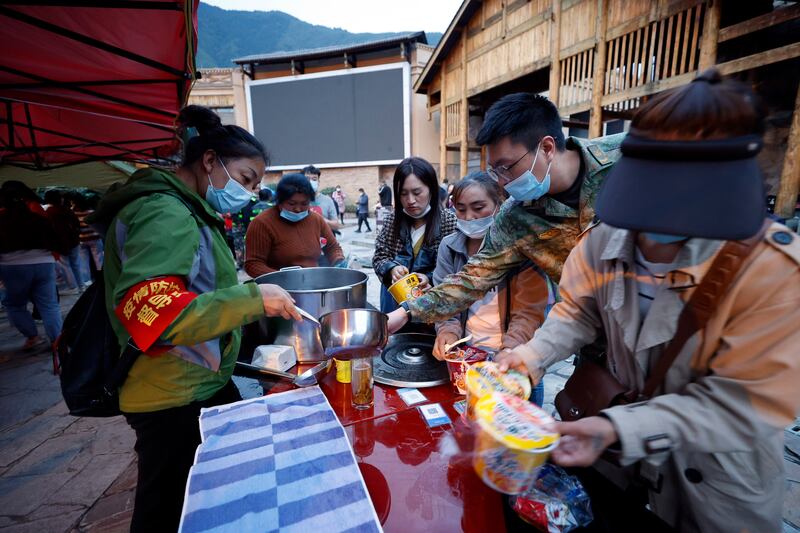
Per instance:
(94,252)
(74,259)
(537,396)
(32,283)
(388,303)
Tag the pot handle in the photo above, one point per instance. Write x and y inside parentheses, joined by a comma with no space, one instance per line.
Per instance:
(321,300)
(284,269)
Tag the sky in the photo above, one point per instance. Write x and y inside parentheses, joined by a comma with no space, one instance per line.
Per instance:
(359,16)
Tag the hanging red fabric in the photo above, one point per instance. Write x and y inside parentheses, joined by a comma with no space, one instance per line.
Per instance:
(82,81)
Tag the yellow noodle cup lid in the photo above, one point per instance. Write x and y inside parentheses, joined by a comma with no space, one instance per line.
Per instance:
(516,423)
(485,377)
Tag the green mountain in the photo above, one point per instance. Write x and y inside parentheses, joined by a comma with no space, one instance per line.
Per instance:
(225,34)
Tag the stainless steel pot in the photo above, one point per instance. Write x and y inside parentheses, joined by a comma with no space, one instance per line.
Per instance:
(351,333)
(318,291)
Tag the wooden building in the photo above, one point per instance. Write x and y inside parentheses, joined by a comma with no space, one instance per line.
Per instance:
(221,89)
(598,60)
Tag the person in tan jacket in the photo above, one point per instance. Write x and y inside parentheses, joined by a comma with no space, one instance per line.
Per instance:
(708,446)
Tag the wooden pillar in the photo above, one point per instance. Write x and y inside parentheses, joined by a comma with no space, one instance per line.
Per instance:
(790,176)
(599,74)
(708,45)
(555,52)
(464,129)
(483,157)
(505,20)
(443,123)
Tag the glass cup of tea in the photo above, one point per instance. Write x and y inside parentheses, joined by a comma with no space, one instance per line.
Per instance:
(361,382)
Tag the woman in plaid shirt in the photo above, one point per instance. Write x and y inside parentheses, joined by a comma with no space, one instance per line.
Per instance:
(410,237)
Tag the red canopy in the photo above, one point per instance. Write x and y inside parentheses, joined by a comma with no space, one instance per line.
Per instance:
(93,79)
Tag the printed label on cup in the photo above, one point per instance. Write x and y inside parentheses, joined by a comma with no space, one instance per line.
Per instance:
(405,288)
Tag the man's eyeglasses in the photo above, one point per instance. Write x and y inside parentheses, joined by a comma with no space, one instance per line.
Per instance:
(503,171)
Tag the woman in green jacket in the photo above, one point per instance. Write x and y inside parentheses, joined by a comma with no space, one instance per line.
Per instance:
(172,288)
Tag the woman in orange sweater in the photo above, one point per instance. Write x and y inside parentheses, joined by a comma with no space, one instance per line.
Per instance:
(290,234)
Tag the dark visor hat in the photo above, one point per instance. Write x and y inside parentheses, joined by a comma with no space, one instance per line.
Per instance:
(706,188)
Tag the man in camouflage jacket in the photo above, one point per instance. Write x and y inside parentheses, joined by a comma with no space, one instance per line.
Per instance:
(543,230)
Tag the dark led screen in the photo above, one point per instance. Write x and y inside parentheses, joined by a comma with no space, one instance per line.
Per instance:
(347,118)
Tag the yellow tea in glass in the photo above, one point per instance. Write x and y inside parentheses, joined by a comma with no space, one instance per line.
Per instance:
(361,382)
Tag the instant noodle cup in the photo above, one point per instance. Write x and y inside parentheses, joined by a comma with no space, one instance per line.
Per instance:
(342,370)
(459,361)
(512,442)
(406,288)
(485,378)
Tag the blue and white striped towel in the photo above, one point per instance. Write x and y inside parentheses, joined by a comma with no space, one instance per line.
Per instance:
(277,463)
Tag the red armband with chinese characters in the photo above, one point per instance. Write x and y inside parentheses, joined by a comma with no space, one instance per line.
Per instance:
(149,307)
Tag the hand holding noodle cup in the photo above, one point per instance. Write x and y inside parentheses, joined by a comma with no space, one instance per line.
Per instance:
(458,362)
(406,288)
(513,441)
(485,378)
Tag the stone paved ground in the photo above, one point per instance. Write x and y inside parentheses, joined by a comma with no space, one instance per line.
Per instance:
(64,474)
(55,469)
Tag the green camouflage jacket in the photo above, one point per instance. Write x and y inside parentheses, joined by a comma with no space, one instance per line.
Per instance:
(544,231)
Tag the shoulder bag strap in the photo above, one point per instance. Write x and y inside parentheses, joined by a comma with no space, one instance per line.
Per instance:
(704,301)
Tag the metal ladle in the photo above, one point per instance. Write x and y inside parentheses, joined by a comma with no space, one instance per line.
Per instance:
(306,379)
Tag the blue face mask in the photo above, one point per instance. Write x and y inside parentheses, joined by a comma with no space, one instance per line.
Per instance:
(475,228)
(663,238)
(230,199)
(291,216)
(526,187)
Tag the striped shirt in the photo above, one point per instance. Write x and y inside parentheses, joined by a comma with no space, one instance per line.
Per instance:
(88,233)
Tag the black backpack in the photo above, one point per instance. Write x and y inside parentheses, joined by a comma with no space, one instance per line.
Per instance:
(88,356)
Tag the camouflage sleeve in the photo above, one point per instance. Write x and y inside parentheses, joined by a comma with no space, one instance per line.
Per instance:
(499,254)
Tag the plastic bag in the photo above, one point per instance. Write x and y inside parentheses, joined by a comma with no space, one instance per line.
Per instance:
(557,502)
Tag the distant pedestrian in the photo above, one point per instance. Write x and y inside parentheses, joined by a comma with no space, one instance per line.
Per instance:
(91,241)
(339,197)
(27,264)
(363,211)
(69,232)
(385,194)
(322,203)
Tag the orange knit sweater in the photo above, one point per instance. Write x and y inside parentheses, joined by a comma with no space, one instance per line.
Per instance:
(273,243)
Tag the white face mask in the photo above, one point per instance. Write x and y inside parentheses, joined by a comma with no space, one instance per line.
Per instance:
(314,185)
(476,228)
(421,215)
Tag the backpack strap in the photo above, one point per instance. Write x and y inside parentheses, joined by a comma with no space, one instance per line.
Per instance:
(120,372)
(704,302)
